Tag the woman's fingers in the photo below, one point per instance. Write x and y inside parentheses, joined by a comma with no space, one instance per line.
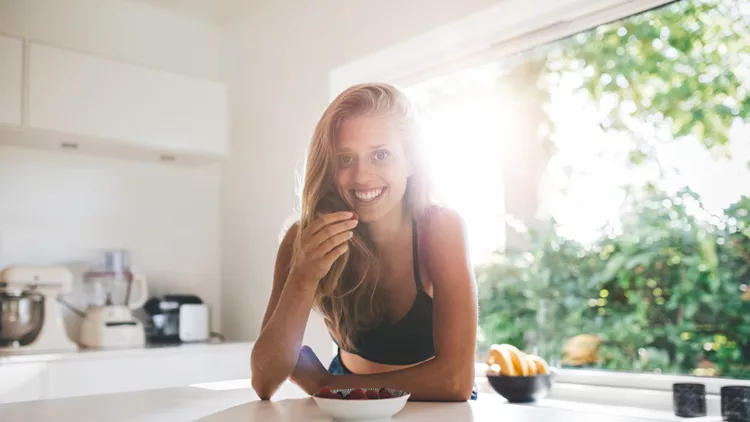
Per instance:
(323,241)
(330,231)
(335,254)
(327,219)
(333,242)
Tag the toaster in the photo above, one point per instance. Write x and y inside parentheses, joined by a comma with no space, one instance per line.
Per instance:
(176,319)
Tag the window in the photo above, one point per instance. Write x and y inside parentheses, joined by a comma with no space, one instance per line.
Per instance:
(605,180)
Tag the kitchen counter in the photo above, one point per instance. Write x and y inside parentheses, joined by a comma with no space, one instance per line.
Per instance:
(43,376)
(235,401)
(7,357)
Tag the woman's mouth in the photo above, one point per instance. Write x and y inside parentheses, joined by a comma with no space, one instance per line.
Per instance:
(368,195)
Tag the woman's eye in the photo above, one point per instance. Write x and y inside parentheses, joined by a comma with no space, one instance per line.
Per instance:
(380,155)
(346,160)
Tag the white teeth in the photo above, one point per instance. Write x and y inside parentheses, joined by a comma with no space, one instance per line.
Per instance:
(368,195)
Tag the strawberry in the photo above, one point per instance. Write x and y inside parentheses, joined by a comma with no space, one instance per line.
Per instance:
(324,392)
(385,394)
(357,394)
(372,394)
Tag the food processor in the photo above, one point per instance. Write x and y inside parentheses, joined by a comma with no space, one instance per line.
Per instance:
(113,291)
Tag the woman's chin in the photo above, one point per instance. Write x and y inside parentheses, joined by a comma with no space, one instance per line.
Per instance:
(366,217)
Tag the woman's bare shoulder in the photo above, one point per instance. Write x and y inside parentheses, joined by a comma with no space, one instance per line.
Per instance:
(443,243)
(289,235)
(441,232)
(285,253)
(290,232)
(439,217)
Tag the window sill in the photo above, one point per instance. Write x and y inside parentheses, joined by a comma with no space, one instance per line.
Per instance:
(641,392)
(611,400)
(640,381)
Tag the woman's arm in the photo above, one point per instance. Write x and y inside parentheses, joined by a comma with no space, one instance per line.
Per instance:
(276,350)
(450,375)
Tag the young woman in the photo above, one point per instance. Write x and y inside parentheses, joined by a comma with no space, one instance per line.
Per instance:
(388,270)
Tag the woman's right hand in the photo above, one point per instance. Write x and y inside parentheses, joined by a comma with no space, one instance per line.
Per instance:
(321,243)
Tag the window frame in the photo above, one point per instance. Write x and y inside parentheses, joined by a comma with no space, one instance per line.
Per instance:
(475,40)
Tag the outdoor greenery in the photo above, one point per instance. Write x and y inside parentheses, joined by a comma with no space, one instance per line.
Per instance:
(668,290)
(664,295)
(682,67)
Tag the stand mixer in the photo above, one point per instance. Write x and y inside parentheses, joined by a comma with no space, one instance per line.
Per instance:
(109,321)
(30,317)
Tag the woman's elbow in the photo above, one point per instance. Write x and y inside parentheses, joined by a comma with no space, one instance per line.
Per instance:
(462,394)
(261,389)
(260,378)
(458,393)
(264,385)
(461,386)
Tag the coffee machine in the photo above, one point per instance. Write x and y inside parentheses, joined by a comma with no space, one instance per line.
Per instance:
(31,320)
(176,319)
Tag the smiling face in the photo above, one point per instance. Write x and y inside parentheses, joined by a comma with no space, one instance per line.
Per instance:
(371,167)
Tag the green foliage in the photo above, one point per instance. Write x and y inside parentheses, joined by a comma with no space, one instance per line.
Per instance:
(681,69)
(664,294)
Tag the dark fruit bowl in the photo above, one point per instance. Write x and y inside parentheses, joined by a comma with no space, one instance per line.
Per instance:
(521,389)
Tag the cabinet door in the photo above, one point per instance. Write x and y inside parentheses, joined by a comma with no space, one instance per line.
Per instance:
(164,368)
(23,381)
(11,80)
(122,103)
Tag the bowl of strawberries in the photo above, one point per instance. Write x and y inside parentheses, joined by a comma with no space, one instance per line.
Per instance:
(361,404)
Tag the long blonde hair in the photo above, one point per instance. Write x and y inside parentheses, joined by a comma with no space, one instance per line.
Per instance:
(346,296)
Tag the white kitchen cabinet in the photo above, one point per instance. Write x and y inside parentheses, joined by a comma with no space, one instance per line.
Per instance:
(24,378)
(101,376)
(23,381)
(11,81)
(123,105)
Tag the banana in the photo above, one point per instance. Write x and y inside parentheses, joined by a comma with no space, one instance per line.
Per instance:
(500,361)
(519,359)
(506,359)
(540,365)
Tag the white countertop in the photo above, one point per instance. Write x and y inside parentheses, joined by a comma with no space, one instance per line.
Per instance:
(235,401)
(7,357)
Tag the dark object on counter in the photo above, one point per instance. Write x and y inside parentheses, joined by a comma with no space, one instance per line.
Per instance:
(735,403)
(689,400)
(521,389)
(163,326)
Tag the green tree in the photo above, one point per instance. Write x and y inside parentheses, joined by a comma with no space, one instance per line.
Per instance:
(682,68)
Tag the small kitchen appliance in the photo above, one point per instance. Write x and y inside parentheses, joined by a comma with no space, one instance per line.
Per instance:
(113,291)
(30,317)
(176,319)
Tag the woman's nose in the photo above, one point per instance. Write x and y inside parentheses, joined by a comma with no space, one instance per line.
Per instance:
(364,173)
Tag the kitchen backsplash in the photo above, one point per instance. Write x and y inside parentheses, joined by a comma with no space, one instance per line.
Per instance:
(61,208)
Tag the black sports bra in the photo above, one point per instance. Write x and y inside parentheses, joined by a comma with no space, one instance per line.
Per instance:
(407,341)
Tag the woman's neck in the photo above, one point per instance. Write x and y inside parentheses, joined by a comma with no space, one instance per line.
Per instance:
(390,228)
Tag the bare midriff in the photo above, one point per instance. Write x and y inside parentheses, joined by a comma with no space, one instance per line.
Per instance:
(359,365)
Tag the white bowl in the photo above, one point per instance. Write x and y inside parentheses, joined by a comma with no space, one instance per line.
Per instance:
(363,410)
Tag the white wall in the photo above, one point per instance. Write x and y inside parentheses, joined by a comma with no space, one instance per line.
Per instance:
(277,60)
(62,208)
